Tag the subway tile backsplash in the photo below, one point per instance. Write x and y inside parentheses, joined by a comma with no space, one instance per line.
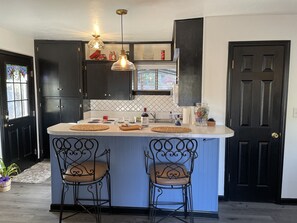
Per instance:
(157,103)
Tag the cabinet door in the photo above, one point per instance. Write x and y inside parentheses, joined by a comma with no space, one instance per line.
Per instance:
(188,37)
(71,110)
(103,83)
(96,80)
(120,85)
(59,66)
(50,115)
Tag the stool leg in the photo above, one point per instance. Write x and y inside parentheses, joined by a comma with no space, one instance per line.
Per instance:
(185,193)
(190,203)
(62,203)
(108,182)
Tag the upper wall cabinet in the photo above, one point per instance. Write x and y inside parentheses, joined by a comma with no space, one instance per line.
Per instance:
(59,65)
(188,38)
(100,82)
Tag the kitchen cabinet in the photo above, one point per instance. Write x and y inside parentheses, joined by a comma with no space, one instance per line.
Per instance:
(103,83)
(57,62)
(59,84)
(188,39)
(56,110)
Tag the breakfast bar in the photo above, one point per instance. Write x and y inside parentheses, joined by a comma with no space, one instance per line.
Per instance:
(129,182)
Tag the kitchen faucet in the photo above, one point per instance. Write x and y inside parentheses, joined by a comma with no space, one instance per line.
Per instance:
(154,115)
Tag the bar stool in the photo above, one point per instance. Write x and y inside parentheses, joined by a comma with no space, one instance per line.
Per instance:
(169,164)
(81,165)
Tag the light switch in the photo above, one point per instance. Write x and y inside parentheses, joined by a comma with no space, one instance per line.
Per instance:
(294,112)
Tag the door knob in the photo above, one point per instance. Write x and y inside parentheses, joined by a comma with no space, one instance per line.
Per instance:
(274,135)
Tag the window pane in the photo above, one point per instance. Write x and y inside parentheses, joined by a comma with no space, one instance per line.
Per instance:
(166,79)
(23,74)
(11,110)
(146,79)
(17,92)
(18,109)
(25,108)
(10,92)
(24,91)
(9,73)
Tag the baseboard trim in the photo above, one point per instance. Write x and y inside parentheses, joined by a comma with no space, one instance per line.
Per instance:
(126,210)
(291,201)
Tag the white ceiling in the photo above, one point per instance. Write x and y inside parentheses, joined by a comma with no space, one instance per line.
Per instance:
(146,19)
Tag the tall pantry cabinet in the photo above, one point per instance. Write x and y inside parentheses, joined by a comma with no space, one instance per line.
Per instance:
(59,83)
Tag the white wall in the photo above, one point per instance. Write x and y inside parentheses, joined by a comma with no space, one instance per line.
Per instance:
(218,32)
(17,43)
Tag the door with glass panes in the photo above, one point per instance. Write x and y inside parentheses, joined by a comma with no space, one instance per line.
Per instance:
(18,129)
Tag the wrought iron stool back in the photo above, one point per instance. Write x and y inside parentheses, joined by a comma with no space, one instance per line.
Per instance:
(78,160)
(169,164)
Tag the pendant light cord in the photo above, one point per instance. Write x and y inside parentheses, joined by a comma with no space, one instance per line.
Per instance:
(122,31)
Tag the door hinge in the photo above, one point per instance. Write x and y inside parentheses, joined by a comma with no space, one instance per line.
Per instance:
(229,178)
(37,49)
(33,113)
(31,72)
(39,90)
(232,64)
(40,105)
(230,122)
(85,67)
(80,105)
(35,151)
(79,90)
(78,49)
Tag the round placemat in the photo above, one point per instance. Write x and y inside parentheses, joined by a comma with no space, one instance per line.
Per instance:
(87,127)
(170,129)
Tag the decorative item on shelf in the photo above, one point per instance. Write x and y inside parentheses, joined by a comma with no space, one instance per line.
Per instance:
(95,55)
(96,43)
(162,54)
(201,114)
(112,55)
(6,173)
(102,57)
(123,64)
(211,122)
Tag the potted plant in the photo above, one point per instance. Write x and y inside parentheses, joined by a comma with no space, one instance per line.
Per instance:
(211,122)
(6,172)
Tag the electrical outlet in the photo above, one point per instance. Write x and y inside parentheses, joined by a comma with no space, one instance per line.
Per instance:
(294,112)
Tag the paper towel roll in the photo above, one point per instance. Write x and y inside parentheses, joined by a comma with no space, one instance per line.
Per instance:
(186,115)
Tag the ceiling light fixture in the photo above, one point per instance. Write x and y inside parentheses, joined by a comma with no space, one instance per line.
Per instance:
(96,43)
(123,64)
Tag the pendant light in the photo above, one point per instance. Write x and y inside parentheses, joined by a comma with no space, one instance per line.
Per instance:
(96,43)
(123,64)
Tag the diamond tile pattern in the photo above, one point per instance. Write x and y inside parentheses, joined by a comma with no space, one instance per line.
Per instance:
(151,102)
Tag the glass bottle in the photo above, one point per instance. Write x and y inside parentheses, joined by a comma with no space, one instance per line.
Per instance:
(144,118)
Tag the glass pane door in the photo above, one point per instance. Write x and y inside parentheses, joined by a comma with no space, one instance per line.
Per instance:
(17,91)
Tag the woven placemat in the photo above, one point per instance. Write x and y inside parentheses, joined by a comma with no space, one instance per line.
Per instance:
(87,127)
(170,129)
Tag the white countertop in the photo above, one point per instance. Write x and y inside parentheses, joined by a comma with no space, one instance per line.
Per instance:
(197,131)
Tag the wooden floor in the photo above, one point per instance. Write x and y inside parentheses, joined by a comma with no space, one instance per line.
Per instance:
(30,203)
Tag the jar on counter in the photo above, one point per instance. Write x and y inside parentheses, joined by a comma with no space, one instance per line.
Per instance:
(201,114)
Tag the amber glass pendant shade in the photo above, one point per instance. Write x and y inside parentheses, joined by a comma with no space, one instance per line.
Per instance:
(96,43)
(123,64)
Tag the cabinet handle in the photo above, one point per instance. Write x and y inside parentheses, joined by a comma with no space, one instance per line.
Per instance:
(105,94)
(58,89)
(58,106)
(62,106)
(109,95)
